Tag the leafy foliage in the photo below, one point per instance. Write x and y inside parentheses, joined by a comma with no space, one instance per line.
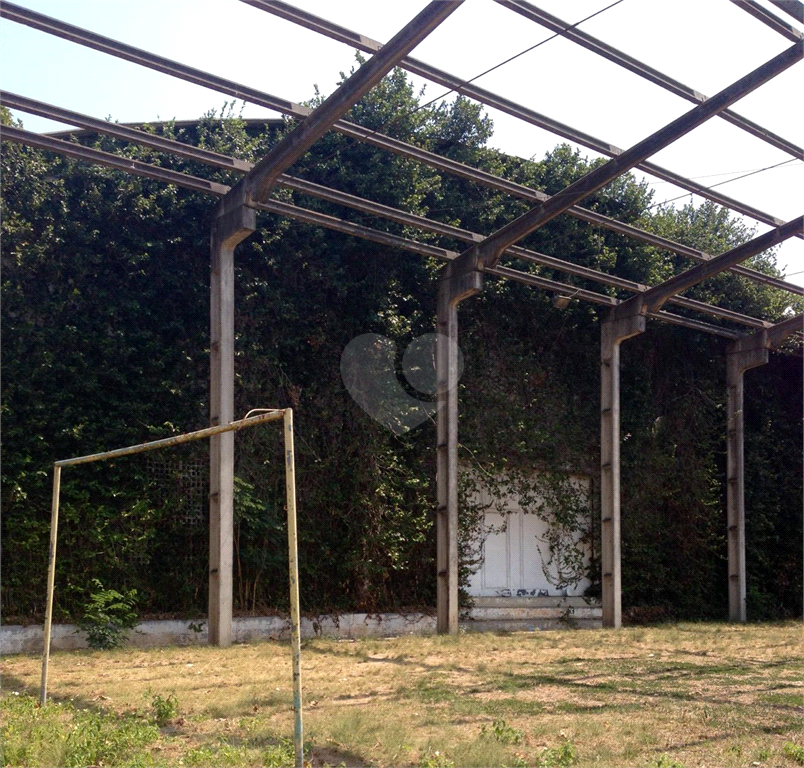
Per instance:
(164,708)
(61,734)
(108,615)
(105,315)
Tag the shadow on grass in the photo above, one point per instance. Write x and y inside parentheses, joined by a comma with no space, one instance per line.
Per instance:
(12,683)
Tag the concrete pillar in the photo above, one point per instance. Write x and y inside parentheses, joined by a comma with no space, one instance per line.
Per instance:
(739,358)
(613,331)
(452,290)
(227,231)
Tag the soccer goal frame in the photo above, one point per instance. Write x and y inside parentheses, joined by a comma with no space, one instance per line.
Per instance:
(252,419)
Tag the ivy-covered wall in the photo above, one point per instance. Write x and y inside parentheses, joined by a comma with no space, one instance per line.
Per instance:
(105,344)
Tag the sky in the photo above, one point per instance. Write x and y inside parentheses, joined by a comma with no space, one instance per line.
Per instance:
(705,44)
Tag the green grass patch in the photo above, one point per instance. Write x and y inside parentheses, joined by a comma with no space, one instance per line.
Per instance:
(60,734)
(659,697)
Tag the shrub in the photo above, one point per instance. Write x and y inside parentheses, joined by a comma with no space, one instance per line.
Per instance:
(108,615)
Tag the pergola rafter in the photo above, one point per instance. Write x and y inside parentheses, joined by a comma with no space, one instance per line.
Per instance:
(316,218)
(222,85)
(794,7)
(303,186)
(655,298)
(491,249)
(472,91)
(651,74)
(463,275)
(770,19)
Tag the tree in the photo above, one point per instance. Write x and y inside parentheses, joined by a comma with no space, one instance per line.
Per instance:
(105,315)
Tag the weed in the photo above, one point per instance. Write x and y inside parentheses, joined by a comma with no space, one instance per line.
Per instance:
(108,615)
(418,705)
(59,734)
(164,708)
(763,754)
(665,761)
(557,757)
(435,759)
(502,732)
(217,756)
(794,752)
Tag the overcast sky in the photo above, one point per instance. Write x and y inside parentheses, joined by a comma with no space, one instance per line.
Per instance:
(706,44)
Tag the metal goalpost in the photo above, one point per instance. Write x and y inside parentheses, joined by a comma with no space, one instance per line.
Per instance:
(262,416)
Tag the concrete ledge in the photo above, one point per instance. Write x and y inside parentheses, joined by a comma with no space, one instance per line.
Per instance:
(67,637)
(522,625)
(535,613)
(495,614)
(529,614)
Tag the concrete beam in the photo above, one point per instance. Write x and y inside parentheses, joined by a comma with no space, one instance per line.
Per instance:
(782,331)
(316,190)
(613,331)
(227,231)
(453,287)
(257,184)
(491,249)
(654,298)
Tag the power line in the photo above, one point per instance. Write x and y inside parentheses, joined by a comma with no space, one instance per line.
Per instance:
(516,56)
(397,118)
(728,181)
(724,173)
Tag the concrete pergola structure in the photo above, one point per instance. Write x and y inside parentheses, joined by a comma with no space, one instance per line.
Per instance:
(235,219)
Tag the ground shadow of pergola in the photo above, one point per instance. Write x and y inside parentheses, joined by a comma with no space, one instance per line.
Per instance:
(234,219)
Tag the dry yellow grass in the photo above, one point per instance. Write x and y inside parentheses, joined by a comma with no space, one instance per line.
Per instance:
(689,694)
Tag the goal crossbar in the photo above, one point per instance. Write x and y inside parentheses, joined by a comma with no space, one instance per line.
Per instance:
(286,414)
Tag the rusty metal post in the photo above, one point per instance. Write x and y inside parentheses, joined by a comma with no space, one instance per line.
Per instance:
(612,333)
(228,229)
(293,569)
(452,289)
(51,579)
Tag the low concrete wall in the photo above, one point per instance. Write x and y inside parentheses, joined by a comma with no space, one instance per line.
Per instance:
(488,613)
(64,637)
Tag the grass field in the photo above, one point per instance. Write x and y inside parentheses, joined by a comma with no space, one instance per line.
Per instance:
(675,695)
